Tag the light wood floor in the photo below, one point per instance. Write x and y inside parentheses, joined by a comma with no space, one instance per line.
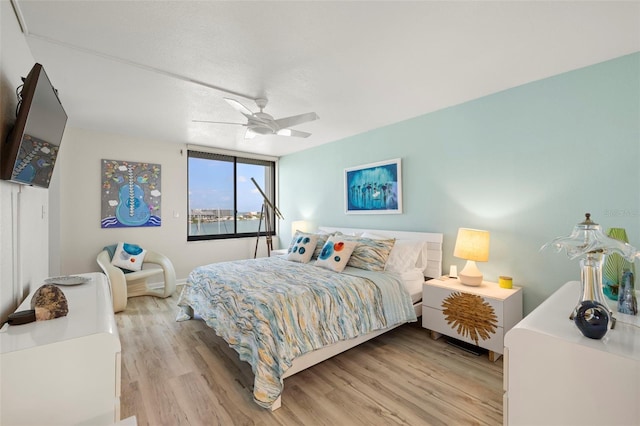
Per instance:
(181,373)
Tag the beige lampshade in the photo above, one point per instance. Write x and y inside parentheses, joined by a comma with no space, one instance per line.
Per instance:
(300,225)
(472,244)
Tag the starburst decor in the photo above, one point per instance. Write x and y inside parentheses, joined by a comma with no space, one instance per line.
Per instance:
(470,315)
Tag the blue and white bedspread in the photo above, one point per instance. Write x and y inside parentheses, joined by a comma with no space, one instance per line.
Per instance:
(271,310)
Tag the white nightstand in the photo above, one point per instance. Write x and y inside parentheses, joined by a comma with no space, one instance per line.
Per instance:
(278,252)
(477,315)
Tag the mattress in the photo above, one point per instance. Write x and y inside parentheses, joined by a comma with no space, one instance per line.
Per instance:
(413,281)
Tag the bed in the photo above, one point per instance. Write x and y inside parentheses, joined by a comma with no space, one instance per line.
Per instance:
(283,316)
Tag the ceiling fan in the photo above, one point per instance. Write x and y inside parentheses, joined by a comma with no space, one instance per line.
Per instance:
(261,123)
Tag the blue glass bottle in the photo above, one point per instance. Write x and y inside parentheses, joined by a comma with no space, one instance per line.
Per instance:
(627,303)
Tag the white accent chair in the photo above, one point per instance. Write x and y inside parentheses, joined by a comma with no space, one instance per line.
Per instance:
(135,283)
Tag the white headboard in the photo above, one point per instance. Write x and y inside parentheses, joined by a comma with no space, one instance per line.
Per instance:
(433,248)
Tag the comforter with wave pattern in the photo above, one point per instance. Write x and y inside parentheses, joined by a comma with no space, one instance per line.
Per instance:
(271,310)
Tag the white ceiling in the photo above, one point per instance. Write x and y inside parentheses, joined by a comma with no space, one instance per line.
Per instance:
(148,68)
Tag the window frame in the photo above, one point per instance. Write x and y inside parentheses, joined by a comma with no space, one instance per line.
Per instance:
(236,158)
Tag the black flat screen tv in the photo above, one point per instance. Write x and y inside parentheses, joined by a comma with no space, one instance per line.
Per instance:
(29,154)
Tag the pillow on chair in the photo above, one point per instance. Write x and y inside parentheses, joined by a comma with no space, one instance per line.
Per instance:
(128,256)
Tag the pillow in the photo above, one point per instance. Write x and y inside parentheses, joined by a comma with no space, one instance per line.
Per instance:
(423,257)
(348,234)
(335,253)
(303,248)
(128,256)
(405,255)
(370,254)
(321,239)
(373,236)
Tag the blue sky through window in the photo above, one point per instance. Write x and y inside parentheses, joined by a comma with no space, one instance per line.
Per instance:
(211,185)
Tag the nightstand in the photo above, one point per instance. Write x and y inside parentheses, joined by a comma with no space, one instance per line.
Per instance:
(476,315)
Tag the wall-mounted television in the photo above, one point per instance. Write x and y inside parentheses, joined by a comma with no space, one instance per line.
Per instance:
(29,154)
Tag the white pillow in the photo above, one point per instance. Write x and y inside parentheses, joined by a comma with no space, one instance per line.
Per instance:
(303,248)
(335,253)
(128,256)
(404,256)
(321,239)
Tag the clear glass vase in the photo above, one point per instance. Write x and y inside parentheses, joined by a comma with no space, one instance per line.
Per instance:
(592,314)
(588,243)
(591,278)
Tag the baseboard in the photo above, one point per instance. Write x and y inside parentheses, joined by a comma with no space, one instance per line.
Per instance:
(160,284)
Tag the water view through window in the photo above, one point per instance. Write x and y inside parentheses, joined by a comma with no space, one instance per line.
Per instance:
(223,201)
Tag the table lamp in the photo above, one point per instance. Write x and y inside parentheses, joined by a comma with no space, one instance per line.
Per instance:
(473,246)
(299,225)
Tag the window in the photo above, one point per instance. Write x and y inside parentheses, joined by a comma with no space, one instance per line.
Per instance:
(224,202)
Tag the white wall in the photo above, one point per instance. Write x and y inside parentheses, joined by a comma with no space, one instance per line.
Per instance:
(80,189)
(24,211)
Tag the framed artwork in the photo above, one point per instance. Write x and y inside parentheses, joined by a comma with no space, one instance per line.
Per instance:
(131,194)
(374,188)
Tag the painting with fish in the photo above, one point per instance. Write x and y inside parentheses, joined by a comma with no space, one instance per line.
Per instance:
(131,194)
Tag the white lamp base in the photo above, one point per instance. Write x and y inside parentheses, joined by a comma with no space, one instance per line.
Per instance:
(470,275)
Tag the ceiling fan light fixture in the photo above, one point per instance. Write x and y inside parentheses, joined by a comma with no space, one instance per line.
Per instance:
(261,123)
(261,129)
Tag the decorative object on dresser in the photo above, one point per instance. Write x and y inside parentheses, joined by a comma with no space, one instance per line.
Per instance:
(65,371)
(555,376)
(473,246)
(627,302)
(128,283)
(614,266)
(49,302)
(588,243)
(478,315)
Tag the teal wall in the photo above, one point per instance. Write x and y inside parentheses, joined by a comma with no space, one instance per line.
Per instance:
(525,164)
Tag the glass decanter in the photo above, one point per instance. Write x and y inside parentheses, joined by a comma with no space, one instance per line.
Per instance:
(588,243)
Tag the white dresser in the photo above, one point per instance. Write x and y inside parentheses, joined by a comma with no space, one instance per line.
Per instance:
(553,375)
(64,371)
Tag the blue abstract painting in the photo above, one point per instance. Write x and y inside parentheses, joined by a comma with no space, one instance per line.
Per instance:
(374,188)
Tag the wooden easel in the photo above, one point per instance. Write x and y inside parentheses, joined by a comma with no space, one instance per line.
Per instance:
(264,214)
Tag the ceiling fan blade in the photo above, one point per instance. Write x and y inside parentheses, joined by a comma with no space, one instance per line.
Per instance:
(283,123)
(239,107)
(218,122)
(294,133)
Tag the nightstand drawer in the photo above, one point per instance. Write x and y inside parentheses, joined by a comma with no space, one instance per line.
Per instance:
(463,303)
(465,328)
